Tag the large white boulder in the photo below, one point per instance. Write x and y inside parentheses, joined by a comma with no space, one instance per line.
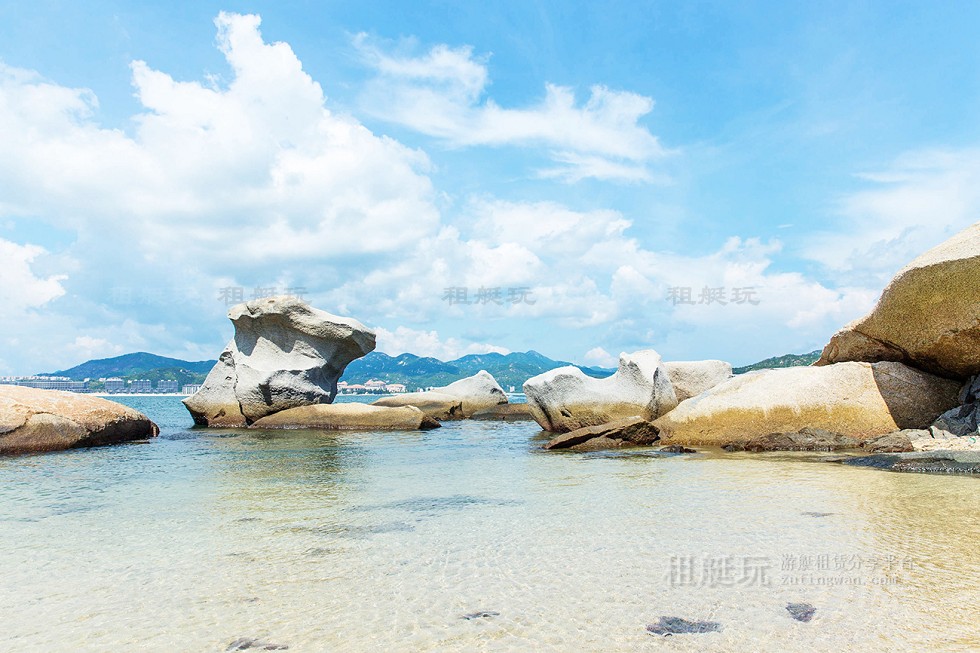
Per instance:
(285,354)
(33,420)
(458,400)
(348,417)
(691,378)
(928,316)
(859,400)
(565,399)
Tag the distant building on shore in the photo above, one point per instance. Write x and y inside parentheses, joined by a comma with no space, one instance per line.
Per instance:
(190,388)
(166,385)
(46,383)
(113,385)
(141,386)
(374,386)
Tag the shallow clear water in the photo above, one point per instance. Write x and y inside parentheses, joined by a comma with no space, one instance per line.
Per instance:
(384,541)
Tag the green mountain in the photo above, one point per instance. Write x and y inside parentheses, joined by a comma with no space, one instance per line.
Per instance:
(786,360)
(140,365)
(418,372)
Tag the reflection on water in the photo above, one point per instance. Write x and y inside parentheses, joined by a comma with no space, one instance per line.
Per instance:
(470,537)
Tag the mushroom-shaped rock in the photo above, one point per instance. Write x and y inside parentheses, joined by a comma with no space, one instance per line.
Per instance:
(33,420)
(927,317)
(457,400)
(691,378)
(859,400)
(565,399)
(348,417)
(285,354)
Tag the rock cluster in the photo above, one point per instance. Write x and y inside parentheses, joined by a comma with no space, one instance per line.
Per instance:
(285,354)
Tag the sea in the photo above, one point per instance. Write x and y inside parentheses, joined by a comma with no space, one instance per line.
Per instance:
(471,537)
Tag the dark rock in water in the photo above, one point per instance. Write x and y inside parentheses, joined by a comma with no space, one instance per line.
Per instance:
(480,614)
(817,514)
(678,626)
(801,611)
(932,462)
(806,439)
(895,442)
(631,430)
(505,413)
(676,448)
(250,643)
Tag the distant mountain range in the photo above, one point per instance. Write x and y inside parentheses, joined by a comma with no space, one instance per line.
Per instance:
(786,360)
(414,371)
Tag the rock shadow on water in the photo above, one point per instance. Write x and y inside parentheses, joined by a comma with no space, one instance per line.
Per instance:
(667,626)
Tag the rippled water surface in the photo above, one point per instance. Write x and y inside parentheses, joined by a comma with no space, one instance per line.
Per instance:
(470,537)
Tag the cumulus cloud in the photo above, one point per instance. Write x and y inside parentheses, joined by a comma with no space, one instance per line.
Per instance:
(442,93)
(428,343)
(601,357)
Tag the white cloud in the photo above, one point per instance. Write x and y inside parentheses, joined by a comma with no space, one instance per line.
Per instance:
(428,343)
(601,357)
(920,200)
(442,94)
(20,288)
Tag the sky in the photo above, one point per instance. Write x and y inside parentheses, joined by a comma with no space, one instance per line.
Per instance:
(706,179)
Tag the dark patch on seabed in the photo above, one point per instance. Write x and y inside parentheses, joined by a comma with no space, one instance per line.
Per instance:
(816,514)
(355,531)
(435,504)
(480,614)
(801,611)
(252,643)
(679,626)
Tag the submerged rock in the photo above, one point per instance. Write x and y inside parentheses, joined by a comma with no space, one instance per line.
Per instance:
(858,400)
(806,439)
(801,611)
(933,462)
(457,400)
(678,626)
(348,417)
(254,644)
(676,448)
(285,354)
(630,431)
(691,378)
(565,399)
(927,317)
(33,421)
(504,413)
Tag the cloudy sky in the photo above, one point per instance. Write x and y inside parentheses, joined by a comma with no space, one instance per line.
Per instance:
(578,170)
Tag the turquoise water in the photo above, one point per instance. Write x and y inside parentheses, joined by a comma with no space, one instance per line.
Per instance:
(386,541)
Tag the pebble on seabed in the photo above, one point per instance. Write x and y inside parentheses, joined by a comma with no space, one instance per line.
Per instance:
(801,611)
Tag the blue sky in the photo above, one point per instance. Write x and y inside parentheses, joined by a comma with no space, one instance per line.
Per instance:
(375,154)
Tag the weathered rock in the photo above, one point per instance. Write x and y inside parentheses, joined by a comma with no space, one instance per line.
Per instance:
(480,614)
(348,417)
(676,448)
(859,400)
(801,611)
(33,420)
(964,419)
(927,317)
(457,400)
(285,354)
(504,413)
(565,399)
(691,378)
(932,462)
(677,626)
(895,442)
(806,439)
(631,430)
(935,439)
